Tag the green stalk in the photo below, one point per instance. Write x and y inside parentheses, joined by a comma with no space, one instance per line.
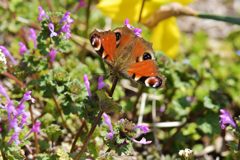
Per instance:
(228,19)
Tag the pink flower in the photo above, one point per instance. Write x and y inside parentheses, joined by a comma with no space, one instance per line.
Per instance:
(142,141)
(22,48)
(33,36)
(87,84)
(107,121)
(137,31)
(36,127)
(144,128)
(81,3)
(52,54)
(66,18)
(101,83)
(41,14)
(51,28)
(226,119)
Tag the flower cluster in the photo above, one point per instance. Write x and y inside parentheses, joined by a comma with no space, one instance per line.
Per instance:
(137,31)
(64,23)
(17,116)
(186,153)
(101,84)
(226,119)
(128,129)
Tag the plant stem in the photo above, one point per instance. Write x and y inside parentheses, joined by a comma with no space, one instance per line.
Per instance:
(35,134)
(77,135)
(87,16)
(61,114)
(96,121)
(9,75)
(141,10)
(134,112)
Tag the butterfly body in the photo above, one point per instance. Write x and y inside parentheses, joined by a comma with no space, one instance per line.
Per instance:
(127,54)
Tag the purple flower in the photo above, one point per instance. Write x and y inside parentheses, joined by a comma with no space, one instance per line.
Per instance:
(27,96)
(36,127)
(66,18)
(51,28)
(127,23)
(4,92)
(22,48)
(8,54)
(15,136)
(52,54)
(107,121)
(144,128)
(66,29)
(41,14)
(25,116)
(142,141)
(162,108)
(33,36)
(65,22)
(101,83)
(87,84)
(137,31)
(81,3)
(226,119)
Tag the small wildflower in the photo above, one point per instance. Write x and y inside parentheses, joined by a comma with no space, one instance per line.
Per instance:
(144,128)
(4,92)
(66,21)
(66,29)
(107,121)
(36,127)
(33,36)
(7,54)
(51,28)
(101,83)
(137,31)
(81,3)
(2,58)
(52,54)
(15,136)
(162,108)
(22,48)
(66,18)
(41,14)
(87,84)
(226,119)
(142,141)
(186,153)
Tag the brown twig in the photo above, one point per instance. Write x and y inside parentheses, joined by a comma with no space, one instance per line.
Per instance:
(167,11)
(87,16)
(61,114)
(77,136)
(9,75)
(96,121)
(141,10)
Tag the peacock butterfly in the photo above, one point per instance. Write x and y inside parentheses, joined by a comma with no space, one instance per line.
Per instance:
(127,54)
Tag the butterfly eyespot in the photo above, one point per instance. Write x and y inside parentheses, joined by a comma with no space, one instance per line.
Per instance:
(154,82)
(118,36)
(95,42)
(147,56)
